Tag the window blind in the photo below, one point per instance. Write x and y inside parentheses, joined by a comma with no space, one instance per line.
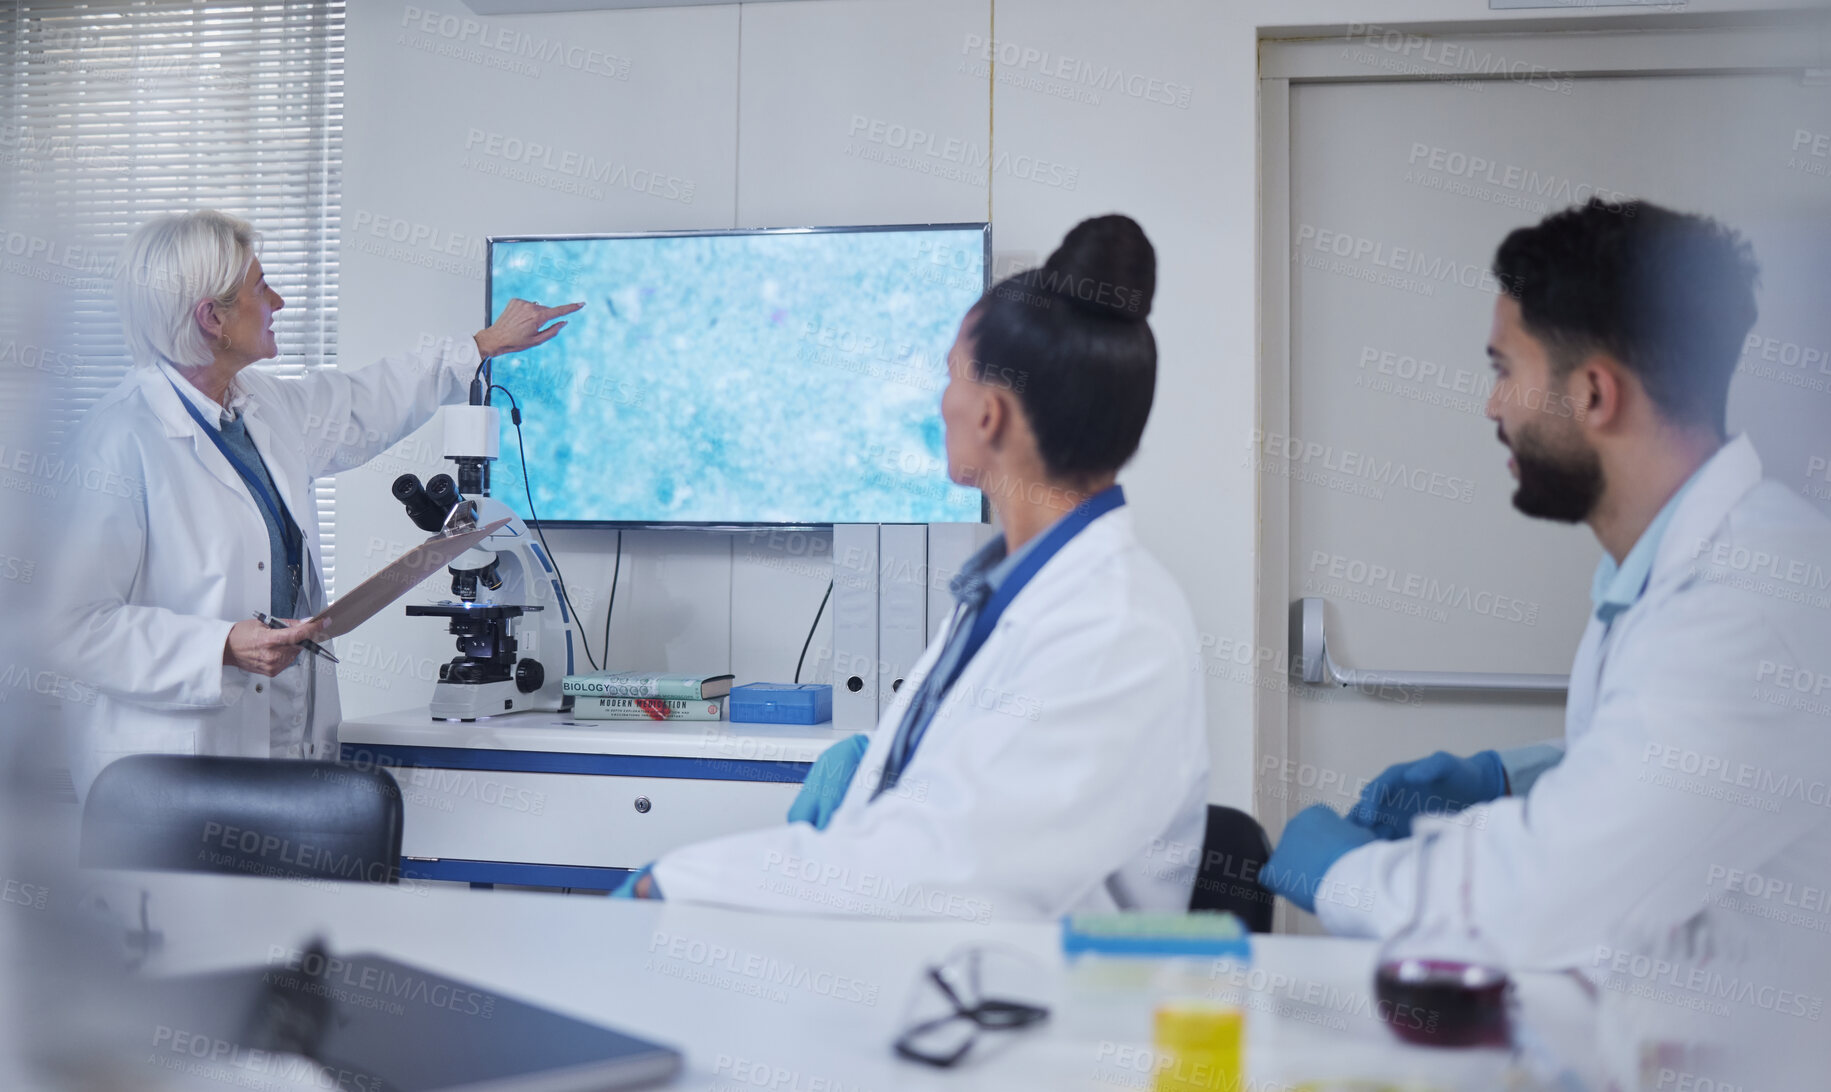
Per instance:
(118,110)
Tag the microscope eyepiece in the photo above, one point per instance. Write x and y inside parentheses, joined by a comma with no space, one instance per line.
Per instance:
(422,509)
(444,492)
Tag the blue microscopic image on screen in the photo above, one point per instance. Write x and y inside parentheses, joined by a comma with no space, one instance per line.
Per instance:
(738,378)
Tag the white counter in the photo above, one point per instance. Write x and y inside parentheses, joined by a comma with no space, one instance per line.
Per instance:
(557,733)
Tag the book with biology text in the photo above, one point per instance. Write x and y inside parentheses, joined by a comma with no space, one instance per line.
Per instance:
(647,684)
(598,708)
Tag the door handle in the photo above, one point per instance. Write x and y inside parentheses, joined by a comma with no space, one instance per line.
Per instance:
(1310,663)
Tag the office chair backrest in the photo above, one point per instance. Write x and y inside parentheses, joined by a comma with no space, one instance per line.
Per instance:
(246,816)
(1234,849)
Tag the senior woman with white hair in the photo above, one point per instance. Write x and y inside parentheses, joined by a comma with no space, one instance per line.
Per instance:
(154,597)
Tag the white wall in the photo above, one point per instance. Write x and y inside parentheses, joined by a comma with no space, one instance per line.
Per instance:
(767,112)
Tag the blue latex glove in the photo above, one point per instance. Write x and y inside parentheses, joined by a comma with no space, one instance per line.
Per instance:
(1313,841)
(628,888)
(827,782)
(1441,784)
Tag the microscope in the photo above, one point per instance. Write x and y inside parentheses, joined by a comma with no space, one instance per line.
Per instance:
(514,635)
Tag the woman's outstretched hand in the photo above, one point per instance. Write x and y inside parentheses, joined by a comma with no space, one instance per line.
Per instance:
(520,326)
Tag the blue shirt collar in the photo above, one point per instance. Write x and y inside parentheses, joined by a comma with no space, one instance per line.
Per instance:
(982,575)
(979,579)
(1616,587)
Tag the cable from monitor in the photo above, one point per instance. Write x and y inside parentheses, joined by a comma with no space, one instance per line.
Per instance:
(810,631)
(611,608)
(553,559)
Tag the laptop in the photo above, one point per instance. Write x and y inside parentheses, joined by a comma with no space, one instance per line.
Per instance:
(365,1023)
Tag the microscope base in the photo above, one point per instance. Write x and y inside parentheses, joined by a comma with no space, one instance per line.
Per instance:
(475,701)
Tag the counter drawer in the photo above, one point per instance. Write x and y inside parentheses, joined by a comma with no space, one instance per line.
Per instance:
(575,819)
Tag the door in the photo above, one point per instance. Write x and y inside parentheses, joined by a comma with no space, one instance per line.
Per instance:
(1387,494)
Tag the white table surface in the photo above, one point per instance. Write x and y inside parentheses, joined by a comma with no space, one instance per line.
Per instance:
(726,740)
(738,998)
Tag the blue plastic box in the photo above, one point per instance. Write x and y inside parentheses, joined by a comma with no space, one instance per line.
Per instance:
(780,703)
(1154,935)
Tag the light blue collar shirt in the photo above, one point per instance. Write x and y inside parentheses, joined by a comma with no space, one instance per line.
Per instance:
(1616,587)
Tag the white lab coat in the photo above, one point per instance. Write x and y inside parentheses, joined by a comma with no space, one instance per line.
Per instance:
(1066,770)
(166,550)
(1692,756)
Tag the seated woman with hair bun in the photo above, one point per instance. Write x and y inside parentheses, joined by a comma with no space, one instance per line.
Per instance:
(1051,742)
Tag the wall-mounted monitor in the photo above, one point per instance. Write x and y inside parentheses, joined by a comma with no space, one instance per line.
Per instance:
(738,378)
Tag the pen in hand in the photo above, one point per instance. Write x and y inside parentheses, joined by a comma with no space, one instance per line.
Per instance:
(310,646)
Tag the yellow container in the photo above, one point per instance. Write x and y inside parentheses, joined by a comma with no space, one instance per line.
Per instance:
(1199,1047)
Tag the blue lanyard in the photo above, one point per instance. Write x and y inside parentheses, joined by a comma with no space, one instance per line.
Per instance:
(927,701)
(256,486)
(1046,547)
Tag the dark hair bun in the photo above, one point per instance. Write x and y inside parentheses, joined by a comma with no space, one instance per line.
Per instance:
(1105,266)
(1072,341)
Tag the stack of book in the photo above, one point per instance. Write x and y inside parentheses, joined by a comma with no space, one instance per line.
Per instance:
(646,695)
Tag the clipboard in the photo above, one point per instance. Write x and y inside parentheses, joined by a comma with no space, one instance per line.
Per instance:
(399,577)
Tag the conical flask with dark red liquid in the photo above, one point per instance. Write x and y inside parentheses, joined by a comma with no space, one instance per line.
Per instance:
(1438,983)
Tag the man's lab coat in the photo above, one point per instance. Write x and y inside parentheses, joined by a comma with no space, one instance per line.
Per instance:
(1698,753)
